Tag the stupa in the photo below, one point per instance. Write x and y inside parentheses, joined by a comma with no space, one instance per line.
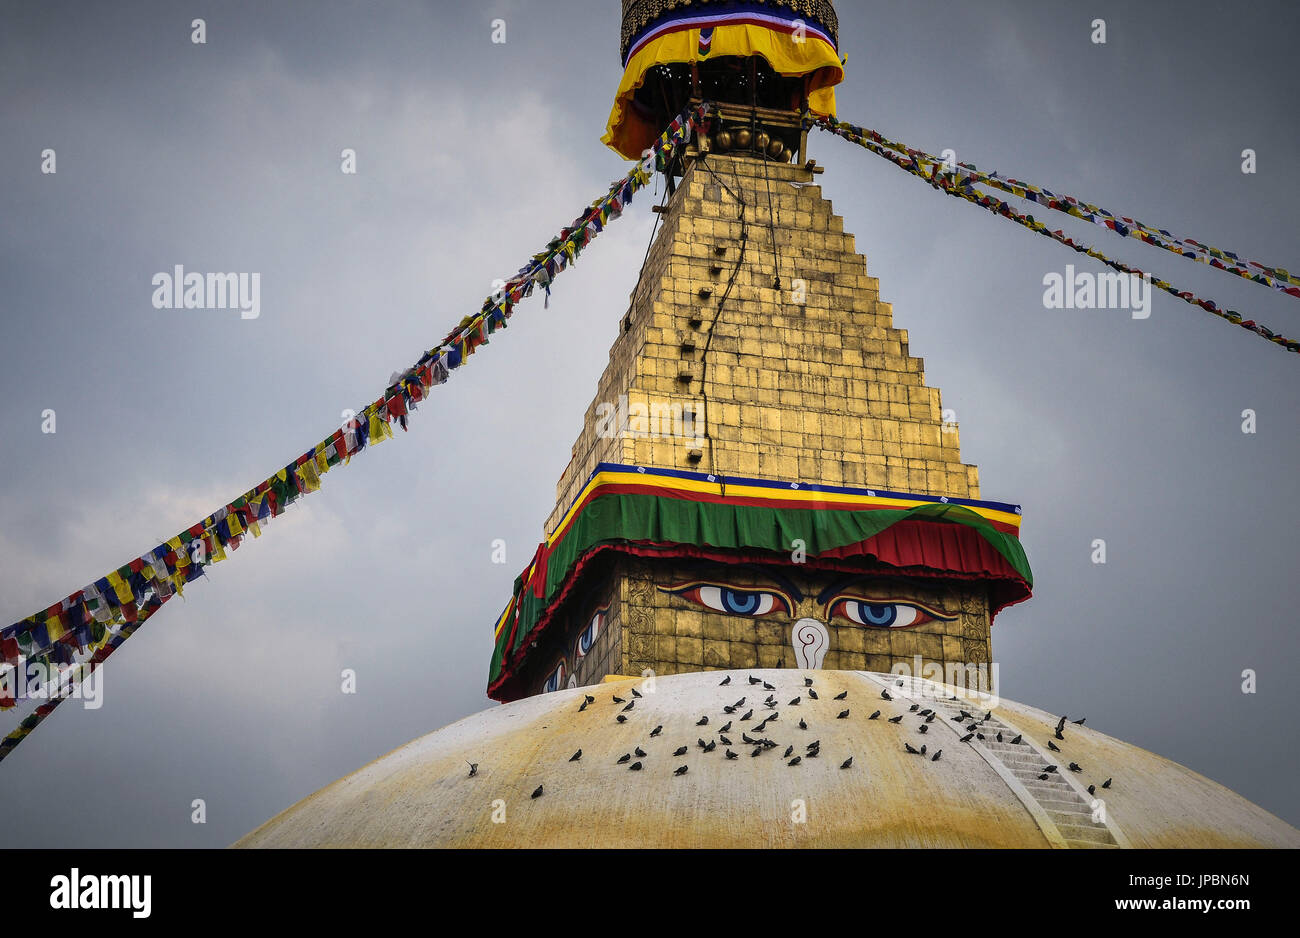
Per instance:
(761,613)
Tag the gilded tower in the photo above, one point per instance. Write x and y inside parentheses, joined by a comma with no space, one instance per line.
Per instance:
(756,367)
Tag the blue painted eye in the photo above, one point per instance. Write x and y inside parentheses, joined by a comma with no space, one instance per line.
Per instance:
(589,634)
(885,614)
(736,602)
(555,680)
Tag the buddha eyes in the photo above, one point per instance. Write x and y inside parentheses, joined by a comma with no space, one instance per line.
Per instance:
(588,636)
(555,680)
(860,610)
(884,614)
(737,602)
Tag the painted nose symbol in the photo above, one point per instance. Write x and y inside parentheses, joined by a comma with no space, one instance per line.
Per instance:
(811,642)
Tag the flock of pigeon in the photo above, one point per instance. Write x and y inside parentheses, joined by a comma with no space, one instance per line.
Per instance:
(760,714)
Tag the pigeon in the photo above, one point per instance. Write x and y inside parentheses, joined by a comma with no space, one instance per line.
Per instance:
(537,792)
(842,714)
(1059,736)
(701,743)
(980,737)
(935,757)
(729,754)
(635,767)
(925,713)
(702,721)
(713,744)
(681,751)
(640,753)
(897,719)
(756,752)
(807,682)
(987,716)
(473,769)
(847,763)
(1075,767)
(908,747)
(803,725)
(789,750)
(657,730)
(725,729)
(618,700)
(630,705)
(767,743)
(748,714)
(1052,746)
(724,740)
(812,753)
(725,681)
(590,699)
(874,715)
(767,686)
(922,748)
(999,737)
(812,694)
(913,708)
(1092,789)
(1079,722)
(795,761)
(964,716)
(884,695)
(728,709)
(635,692)
(745,738)
(739,703)
(1043,777)
(794,703)
(622,718)
(1060,724)
(583,707)
(815,744)
(923,728)
(625,758)
(753,680)
(1106,784)
(968,737)
(760,727)
(681,770)
(1016,741)
(841,695)
(1049,768)
(576,756)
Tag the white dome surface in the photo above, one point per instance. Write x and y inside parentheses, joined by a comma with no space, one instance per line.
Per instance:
(979,794)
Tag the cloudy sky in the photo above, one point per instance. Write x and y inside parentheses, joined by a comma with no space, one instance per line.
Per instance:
(225,156)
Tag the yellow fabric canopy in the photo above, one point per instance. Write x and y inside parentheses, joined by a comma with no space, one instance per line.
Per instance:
(629,133)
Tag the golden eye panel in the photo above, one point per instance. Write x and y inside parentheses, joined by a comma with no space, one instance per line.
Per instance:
(884,613)
(753,603)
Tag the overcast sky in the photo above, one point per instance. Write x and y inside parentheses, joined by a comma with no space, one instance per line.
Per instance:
(471,155)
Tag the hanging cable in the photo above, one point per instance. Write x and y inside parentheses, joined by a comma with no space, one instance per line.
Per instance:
(708,341)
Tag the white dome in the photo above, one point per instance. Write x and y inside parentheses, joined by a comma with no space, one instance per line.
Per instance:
(979,794)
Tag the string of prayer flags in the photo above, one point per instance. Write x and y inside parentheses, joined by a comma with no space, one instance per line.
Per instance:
(961,181)
(80,631)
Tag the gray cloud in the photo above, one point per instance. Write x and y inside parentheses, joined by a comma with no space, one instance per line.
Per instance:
(471,155)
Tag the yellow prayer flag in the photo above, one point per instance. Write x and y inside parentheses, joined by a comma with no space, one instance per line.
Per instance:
(120,587)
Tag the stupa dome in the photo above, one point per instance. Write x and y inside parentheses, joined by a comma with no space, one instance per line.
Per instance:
(978,794)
